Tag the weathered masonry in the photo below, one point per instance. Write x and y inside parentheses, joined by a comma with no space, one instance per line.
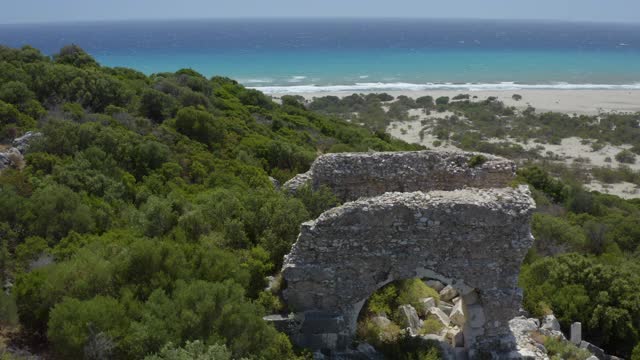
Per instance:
(354,175)
(471,238)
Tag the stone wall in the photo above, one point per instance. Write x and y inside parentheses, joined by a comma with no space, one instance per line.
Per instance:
(473,239)
(423,214)
(353,175)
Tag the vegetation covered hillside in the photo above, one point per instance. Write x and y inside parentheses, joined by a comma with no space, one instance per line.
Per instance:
(144,217)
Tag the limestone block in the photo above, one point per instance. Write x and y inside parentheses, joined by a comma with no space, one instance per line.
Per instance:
(455,337)
(440,315)
(550,322)
(408,317)
(576,333)
(457,314)
(448,293)
(426,304)
(433,337)
(446,307)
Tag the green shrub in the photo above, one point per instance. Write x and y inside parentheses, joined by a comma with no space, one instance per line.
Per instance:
(378,336)
(73,323)
(412,290)
(626,157)
(8,310)
(442,100)
(564,350)
(383,301)
(476,160)
(192,350)
(431,325)
(635,355)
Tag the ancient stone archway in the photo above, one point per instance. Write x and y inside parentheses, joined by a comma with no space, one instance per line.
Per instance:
(474,239)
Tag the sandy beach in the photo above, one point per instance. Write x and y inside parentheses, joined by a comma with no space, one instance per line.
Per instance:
(589,102)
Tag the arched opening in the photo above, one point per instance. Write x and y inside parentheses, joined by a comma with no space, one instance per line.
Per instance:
(420,317)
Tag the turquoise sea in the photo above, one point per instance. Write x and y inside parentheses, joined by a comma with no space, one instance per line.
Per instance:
(361,55)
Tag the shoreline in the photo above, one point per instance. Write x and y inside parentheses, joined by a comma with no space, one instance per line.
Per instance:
(580,102)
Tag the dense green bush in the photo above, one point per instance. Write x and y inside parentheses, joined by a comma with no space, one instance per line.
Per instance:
(626,157)
(144,221)
(195,350)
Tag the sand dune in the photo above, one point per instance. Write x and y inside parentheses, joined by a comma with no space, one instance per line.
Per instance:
(589,102)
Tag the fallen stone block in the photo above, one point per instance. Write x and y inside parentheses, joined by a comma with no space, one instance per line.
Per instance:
(448,293)
(444,318)
(457,314)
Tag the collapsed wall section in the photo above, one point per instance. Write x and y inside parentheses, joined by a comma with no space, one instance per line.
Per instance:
(354,175)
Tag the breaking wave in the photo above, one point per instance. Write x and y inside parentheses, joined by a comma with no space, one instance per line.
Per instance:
(400,86)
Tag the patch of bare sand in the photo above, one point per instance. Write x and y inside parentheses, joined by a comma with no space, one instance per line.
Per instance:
(624,190)
(409,130)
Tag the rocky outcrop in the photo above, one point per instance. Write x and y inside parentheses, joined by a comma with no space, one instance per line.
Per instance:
(22,143)
(354,175)
(10,158)
(14,156)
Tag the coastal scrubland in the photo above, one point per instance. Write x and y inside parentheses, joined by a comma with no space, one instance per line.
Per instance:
(146,218)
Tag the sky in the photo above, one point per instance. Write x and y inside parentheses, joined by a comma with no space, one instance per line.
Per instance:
(29,11)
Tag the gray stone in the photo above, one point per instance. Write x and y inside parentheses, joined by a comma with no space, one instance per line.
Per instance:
(592,357)
(475,315)
(433,337)
(440,315)
(408,317)
(10,157)
(297,182)
(355,175)
(550,322)
(455,336)
(426,304)
(318,322)
(446,307)
(596,351)
(461,354)
(275,182)
(22,143)
(457,314)
(576,333)
(528,348)
(435,284)
(448,293)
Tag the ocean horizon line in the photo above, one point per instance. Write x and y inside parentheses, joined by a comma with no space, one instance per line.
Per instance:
(320,18)
(380,86)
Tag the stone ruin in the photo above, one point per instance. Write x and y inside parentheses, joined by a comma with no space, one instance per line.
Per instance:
(452,217)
